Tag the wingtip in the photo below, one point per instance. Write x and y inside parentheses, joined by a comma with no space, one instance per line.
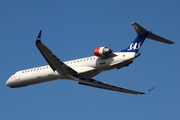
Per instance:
(149,90)
(133,22)
(172,42)
(38,40)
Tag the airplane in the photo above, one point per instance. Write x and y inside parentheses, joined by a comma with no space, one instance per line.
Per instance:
(84,69)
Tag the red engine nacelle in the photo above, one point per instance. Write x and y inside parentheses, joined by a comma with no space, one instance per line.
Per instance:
(102,51)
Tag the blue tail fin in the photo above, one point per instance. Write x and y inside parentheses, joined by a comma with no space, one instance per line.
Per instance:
(142,35)
(137,43)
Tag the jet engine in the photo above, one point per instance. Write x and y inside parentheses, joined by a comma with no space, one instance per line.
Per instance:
(102,51)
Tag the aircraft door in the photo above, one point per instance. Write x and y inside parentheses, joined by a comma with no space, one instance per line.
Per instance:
(18,76)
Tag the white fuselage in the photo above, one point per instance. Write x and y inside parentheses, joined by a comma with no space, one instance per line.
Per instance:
(87,67)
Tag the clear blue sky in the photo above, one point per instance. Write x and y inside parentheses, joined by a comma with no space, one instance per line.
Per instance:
(72,29)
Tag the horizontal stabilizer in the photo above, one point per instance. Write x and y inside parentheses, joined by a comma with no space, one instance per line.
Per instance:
(139,29)
(160,39)
(142,31)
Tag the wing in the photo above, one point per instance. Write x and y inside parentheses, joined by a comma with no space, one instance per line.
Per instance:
(99,84)
(54,62)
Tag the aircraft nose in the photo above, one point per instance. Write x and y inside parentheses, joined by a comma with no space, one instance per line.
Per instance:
(10,82)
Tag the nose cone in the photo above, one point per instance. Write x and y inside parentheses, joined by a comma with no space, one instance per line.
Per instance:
(11,81)
(8,83)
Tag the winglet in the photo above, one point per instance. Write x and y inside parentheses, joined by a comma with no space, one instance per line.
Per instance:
(149,90)
(38,40)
